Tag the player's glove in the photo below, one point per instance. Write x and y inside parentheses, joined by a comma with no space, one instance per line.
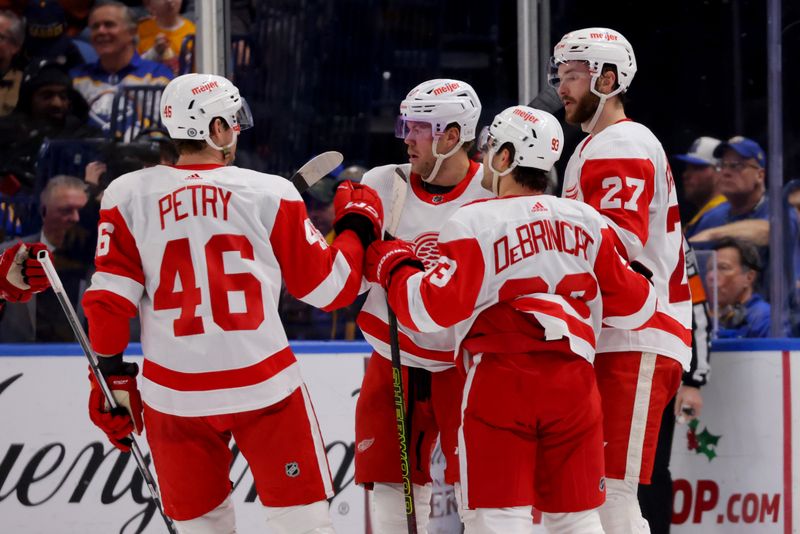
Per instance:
(358,207)
(21,274)
(383,257)
(127,416)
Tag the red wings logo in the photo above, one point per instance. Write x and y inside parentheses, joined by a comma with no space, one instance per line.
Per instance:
(426,247)
(571,192)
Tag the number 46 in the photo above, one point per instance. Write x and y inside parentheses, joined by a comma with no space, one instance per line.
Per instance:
(612,199)
(177,263)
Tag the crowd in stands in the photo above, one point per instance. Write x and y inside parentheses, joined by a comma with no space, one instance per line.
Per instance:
(88,75)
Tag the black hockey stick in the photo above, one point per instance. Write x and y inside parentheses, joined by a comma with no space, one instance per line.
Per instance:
(399,186)
(309,174)
(80,335)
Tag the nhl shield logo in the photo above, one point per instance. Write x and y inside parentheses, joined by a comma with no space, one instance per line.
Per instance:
(437,199)
(292,470)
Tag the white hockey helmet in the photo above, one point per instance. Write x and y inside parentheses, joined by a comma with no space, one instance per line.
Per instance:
(441,102)
(191,101)
(597,47)
(536,136)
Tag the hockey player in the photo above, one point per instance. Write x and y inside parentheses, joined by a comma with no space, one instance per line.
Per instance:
(526,279)
(21,274)
(621,170)
(437,122)
(200,249)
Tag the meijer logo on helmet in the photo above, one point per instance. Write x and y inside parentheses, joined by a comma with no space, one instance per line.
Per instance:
(526,115)
(205,87)
(606,36)
(446,88)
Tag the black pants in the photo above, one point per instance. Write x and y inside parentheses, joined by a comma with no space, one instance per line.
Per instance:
(655,499)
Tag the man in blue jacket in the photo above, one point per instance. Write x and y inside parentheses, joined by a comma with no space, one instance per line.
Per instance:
(742,312)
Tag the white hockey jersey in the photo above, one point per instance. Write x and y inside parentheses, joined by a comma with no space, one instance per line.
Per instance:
(623,172)
(553,260)
(200,250)
(422,217)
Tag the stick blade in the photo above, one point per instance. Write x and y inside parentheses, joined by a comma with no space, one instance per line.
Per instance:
(315,169)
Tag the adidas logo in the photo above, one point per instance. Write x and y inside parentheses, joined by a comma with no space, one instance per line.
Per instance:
(538,207)
(194,176)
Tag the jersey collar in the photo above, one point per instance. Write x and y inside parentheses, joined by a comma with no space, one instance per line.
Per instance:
(197,167)
(441,198)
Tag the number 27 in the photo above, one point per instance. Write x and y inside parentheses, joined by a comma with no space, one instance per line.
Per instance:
(612,199)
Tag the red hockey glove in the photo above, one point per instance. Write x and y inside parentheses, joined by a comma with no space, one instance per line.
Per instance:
(21,274)
(383,257)
(358,208)
(127,417)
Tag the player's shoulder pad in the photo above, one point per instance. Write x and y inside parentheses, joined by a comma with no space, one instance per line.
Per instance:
(478,201)
(262,183)
(478,212)
(384,172)
(127,186)
(579,209)
(623,140)
(381,178)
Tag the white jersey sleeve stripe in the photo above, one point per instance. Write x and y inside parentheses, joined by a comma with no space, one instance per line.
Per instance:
(327,291)
(129,289)
(422,320)
(631,322)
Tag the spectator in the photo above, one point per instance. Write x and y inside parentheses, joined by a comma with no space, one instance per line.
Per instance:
(161,35)
(353,173)
(12,34)
(791,191)
(33,321)
(701,178)
(48,108)
(745,214)
(741,311)
(167,151)
(742,181)
(113,33)
(46,34)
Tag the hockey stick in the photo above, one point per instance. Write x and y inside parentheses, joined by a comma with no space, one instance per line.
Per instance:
(80,335)
(315,169)
(399,187)
(305,177)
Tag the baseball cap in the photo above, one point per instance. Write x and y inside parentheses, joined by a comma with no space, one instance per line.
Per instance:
(701,152)
(745,147)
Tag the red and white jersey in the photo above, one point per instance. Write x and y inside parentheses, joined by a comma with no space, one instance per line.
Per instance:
(422,217)
(200,251)
(623,172)
(549,258)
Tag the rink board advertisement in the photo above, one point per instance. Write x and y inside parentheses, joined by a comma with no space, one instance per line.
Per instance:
(59,475)
(736,471)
